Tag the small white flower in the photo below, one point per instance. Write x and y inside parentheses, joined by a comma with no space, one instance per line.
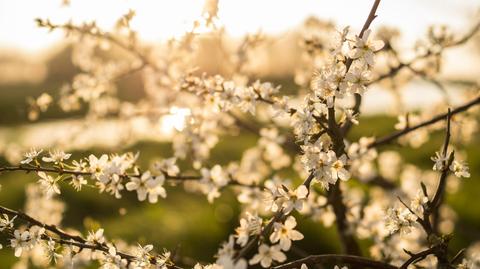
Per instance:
(56,156)
(285,233)
(20,242)
(265,89)
(294,199)
(402,123)
(147,185)
(338,168)
(267,254)
(358,78)
(96,237)
(225,256)
(31,155)
(248,100)
(51,251)
(418,202)
(351,116)
(48,184)
(400,220)
(6,222)
(43,101)
(97,165)
(168,166)
(280,107)
(440,161)
(112,260)
(212,180)
(114,187)
(140,185)
(364,48)
(250,225)
(26,240)
(78,181)
(155,189)
(142,254)
(227,262)
(460,169)
(466,264)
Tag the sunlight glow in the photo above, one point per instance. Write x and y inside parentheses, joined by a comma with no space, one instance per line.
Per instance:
(175,120)
(160,20)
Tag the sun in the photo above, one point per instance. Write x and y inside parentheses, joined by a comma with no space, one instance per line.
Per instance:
(174,120)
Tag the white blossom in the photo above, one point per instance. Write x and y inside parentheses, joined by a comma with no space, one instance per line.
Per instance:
(338,168)
(31,155)
(364,48)
(56,156)
(96,237)
(78,181)
(266,254)
(293,199)
(399,220)
(6,222)
(25,240)
(418,202)
(48,184)
(440,161)
(148,185)
(460,169)
(249,225)
(168,166)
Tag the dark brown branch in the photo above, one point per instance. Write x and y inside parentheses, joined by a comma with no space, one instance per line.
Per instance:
(335,198)
(358,98)
(337,259)
(439,249)
(59,171)
(434,205)
(418,257)
(169,178)
(370,18)
(393,136)
(349,244)
(381,182)
(64,238)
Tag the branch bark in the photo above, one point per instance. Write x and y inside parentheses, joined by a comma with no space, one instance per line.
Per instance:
(337,258)
(393,136)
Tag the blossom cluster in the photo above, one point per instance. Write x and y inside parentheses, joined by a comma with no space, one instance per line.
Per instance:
(300,163)
(76,249)
(111,174)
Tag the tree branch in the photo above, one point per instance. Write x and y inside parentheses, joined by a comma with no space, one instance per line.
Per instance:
(64,238)
(391,137)
(417,257)
(336,258)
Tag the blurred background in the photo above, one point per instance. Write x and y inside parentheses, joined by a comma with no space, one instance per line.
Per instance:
(33,61)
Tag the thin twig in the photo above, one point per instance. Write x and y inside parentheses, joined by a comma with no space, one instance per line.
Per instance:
(393,136)
(64,238)
(417,257)
(169,178)
(336,258)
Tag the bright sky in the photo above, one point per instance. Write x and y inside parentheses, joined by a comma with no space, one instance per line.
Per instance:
(159,19)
